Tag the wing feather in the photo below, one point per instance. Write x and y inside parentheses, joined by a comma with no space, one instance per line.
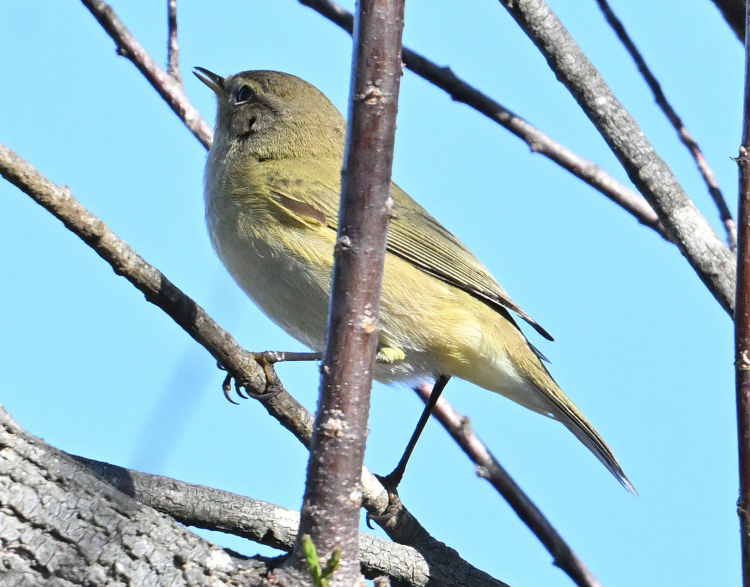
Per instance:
(433,250)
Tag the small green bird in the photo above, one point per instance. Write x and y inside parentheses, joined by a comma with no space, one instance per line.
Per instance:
(272,183)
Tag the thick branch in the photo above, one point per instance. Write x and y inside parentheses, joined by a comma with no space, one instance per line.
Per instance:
(259,521)
(682,132)
(62,525)
(330,510)
(404,528)
(488,467)
(460,91)
(714,263)
(742,325)
(168,87)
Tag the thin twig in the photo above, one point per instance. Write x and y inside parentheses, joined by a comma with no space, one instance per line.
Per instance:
(331,511)
(489,468)
(742,324)
(259,521)
(710,258)
(58,200)
(685,136)
(173,62)
(460,91)
(169,89)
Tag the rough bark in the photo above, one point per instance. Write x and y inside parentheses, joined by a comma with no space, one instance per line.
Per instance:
(61,525)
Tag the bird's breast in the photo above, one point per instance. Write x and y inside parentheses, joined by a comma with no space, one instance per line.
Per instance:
(284,268)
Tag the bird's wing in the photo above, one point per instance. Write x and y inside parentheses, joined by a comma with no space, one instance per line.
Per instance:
(433,249)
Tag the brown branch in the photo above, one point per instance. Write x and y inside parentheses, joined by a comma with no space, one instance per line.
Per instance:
(682,132)
(157,288)
(742,325)
(733,12)
(444,562)
(168,88)
(489,468)
(259,521)
(173,62)
(713,262)
(460,91)
(331,505)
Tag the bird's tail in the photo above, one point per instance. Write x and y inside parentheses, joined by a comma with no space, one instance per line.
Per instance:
(585,432)
(568,414)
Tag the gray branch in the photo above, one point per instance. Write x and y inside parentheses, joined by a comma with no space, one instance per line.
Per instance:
(538,142)
(682,132)
(62,525)
(173,49)
(259,521)
(168,87)
(714,263)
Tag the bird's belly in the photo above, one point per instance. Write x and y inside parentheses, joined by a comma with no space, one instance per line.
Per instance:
(292,293)
(441,330)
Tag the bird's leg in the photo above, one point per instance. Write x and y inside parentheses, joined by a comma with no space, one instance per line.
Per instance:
(391,481)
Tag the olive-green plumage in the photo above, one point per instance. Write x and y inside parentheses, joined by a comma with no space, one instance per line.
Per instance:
(272,194)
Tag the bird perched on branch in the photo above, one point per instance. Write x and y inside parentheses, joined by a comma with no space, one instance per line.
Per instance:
(272,184)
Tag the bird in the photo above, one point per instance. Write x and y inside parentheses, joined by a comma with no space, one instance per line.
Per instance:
(271,191)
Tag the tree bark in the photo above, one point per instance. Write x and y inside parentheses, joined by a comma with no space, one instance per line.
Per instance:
(62,525)
(333,495)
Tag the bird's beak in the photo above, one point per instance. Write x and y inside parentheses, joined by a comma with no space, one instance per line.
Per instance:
(213,81)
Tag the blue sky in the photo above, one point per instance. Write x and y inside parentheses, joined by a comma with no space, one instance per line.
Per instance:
(641,346)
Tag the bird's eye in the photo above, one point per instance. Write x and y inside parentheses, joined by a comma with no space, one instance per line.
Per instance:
(244,94)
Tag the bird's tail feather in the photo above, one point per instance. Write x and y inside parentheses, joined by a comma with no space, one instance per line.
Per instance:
(590,438)
(565,411)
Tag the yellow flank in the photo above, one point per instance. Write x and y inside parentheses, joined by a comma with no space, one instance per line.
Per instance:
(272,193)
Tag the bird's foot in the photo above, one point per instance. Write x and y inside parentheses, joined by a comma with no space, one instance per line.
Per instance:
(390,483)
(272,384)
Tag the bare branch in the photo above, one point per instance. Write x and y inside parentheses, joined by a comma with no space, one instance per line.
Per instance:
(488,467)
(676,121)
(167,87)
(173,62)
(259,521)
(714,263)
(404,528)
(460,91)
(742,325)
(126,262)
(734,13)
(331,505)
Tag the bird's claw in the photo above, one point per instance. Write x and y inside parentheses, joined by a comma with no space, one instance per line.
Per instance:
(394,502)
(272,389)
